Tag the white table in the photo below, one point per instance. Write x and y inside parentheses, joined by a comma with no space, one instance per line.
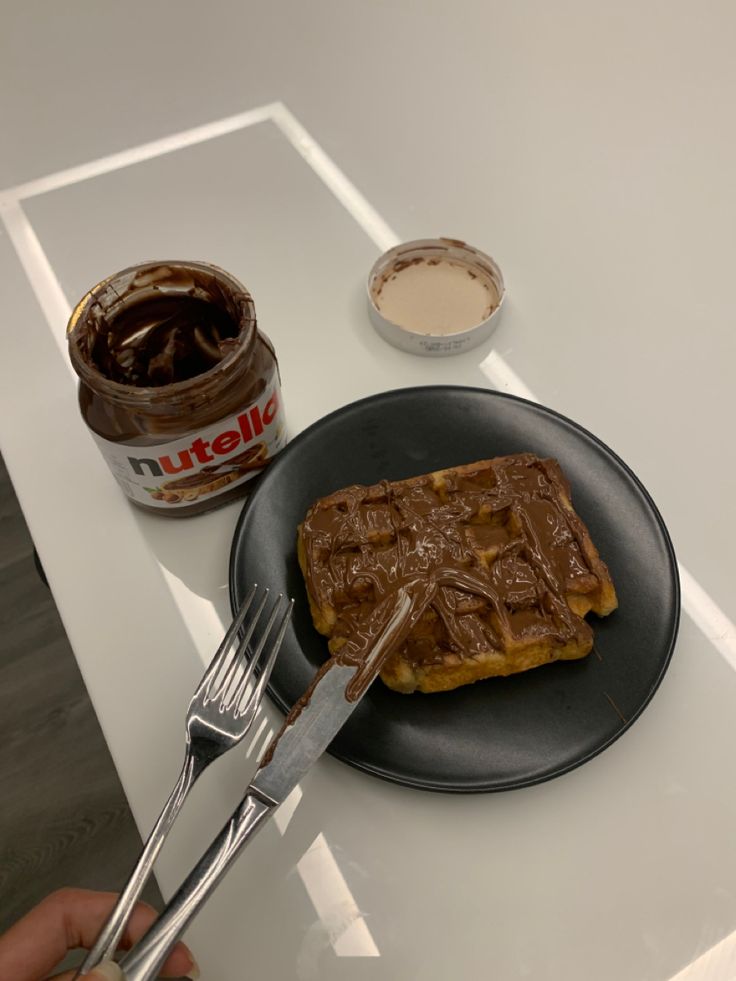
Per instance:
(590,148)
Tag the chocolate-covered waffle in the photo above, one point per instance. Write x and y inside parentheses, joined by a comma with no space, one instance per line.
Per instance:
(511,568)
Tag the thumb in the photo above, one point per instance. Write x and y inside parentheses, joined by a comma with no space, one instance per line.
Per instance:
(106,971)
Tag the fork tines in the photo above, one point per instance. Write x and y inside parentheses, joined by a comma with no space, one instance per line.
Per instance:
(230,676)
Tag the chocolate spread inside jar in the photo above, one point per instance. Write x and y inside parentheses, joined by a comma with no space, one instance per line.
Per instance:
(178,386)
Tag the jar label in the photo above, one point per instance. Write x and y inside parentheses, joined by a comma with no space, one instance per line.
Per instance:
(205,464)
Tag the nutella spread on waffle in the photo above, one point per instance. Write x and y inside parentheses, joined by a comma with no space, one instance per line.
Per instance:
(507,566)
(178,386)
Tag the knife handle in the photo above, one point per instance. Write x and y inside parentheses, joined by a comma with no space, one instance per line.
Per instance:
(142,963)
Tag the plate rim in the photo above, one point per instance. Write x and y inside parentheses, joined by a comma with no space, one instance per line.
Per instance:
(419,783)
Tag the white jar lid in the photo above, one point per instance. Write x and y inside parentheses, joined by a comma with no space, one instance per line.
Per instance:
(435,296)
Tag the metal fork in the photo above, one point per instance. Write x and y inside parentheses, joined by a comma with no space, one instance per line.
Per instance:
(220,713)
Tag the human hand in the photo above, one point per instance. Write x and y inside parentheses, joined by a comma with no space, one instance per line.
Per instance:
(71,918)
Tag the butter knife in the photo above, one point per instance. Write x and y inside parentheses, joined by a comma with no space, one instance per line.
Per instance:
(289,757)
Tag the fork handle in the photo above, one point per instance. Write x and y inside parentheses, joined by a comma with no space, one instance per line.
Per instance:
(109,938)
(144,960)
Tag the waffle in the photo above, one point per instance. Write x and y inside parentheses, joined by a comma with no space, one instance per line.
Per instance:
(512,567)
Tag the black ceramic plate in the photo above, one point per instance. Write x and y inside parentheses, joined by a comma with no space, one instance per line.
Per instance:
(501,733)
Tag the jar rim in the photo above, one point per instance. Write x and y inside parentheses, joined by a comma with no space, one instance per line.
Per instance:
(157,393)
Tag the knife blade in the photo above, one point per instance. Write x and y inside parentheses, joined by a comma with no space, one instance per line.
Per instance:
(290,755)
(298,746)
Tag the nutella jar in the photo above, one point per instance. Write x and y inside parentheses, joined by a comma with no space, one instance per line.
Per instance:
(178,386)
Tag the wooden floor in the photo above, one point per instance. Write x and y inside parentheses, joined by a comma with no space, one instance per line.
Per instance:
(64,819)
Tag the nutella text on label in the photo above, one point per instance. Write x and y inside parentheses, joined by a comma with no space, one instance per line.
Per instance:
(204,465)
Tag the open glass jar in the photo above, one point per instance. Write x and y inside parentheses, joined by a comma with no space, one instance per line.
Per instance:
(178,386)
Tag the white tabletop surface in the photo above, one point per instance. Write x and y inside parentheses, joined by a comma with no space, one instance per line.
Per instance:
(590,148)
